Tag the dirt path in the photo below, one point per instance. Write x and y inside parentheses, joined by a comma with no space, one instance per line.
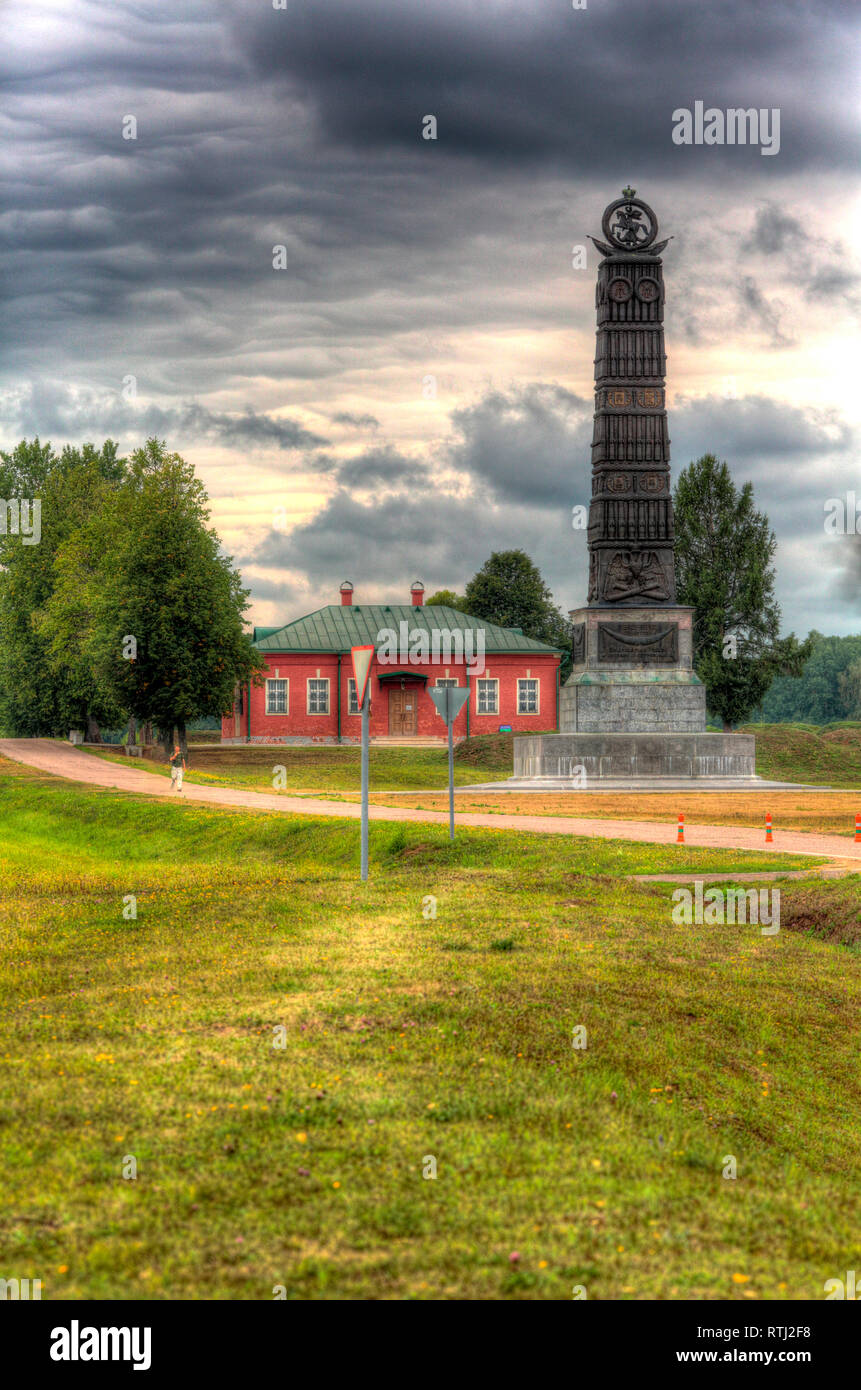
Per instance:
(63,760)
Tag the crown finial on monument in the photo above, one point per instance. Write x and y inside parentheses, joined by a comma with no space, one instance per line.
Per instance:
(629,192)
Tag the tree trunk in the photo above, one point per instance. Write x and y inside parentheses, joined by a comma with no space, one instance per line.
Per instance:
(148,736)
(93,731)
(727,728)
(182,739)
(166,739)
(131,735)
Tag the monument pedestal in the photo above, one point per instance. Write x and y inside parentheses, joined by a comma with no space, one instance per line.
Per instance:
(632,672)
(632,710)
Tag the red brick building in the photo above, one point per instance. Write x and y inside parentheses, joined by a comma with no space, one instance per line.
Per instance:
(308,695)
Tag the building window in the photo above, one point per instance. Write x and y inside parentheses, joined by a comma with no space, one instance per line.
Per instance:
(487,697)
(318,696)
(352,696)
(527,697)
(277,697)
(446,681)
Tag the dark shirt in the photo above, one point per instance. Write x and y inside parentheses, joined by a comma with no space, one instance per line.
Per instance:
(176,759)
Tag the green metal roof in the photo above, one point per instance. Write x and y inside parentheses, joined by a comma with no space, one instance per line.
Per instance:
(338,627)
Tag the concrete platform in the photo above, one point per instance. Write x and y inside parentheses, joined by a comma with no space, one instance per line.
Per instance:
(640,784)
(588,759)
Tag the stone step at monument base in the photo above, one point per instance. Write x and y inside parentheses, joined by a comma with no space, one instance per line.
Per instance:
(639,784)
(601,758)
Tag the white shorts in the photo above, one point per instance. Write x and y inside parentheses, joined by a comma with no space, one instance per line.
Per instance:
(176,776)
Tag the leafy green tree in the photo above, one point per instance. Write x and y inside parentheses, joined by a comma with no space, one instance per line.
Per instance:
(38,695)
(509,590)
(724,554)
(158,608)
(445,598)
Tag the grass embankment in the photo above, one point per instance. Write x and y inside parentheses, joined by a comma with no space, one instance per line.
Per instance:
(315,768)
(827,755)
(406,1039)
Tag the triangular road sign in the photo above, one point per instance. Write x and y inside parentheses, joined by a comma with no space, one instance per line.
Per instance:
(362,658)
(449,700)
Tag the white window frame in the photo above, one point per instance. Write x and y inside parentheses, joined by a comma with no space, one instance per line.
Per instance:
(278,680)
(318,680)
(531,680)
(479,682)
(352,698)
(446,683)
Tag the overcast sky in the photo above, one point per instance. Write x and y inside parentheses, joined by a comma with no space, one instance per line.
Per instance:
(301,394)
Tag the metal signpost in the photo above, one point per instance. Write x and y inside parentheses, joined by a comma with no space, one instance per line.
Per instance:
(362,658)
(449,701)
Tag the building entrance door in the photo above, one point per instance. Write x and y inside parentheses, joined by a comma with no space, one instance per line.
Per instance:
(404,711)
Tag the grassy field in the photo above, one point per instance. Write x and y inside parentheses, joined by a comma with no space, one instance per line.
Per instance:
(409,1037)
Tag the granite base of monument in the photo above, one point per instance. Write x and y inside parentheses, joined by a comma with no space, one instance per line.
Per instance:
(564,761)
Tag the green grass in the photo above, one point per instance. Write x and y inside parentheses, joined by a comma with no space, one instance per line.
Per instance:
(826,756)
(323,767)
(408,1037)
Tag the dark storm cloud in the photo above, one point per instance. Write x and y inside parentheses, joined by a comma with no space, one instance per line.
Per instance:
(753,427)
(544,83)
(524,444)
(434,536)
(383,467)
(772,229)
(260,127)
(823,270)
(47,408)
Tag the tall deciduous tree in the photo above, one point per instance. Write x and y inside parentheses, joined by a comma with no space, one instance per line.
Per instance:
(724,569)
(159,605)
(509,590)
(38,694)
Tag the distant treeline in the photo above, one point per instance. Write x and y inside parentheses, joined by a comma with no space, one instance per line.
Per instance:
(828,689)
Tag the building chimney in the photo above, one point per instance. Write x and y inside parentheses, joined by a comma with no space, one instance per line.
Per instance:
(346,594)
(417,593)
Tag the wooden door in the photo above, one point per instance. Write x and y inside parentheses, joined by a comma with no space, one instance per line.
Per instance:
(403,711)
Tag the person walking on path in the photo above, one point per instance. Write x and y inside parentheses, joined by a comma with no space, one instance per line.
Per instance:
(177,768)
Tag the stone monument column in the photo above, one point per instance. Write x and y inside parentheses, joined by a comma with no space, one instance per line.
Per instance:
(632,643)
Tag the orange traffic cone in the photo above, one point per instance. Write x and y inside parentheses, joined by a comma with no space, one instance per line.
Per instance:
(858,830)
(769,838)
(680,837)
